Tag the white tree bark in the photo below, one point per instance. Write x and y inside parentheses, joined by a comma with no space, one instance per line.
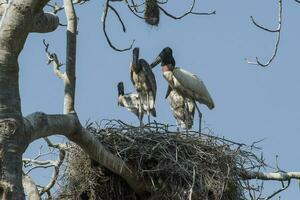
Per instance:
(70,78)
(275,176)
(40,125)
(30,188)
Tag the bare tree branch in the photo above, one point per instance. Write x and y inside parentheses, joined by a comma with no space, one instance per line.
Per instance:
(56,8)
(119,17)
(40,125)
(284,187)
(190,11)
(105,12)
(277,31)
(264,28)
(132,9)
(57,165)
(275,176)
(52,58)
(70,82)
(30,188)
(136,6)
(44,23)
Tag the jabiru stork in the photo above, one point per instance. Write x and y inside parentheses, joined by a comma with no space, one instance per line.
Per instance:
(185,83)
(143,80)
(131,102)
(183,108)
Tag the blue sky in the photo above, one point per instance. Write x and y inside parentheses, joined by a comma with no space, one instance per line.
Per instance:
(252,103)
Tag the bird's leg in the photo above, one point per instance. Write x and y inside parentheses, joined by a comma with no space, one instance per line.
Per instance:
(148,108)
(140,112)
(141,121)
(178,129)
(186,115)
(200,117)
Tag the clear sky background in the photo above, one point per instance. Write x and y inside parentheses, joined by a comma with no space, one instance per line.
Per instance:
(251,103)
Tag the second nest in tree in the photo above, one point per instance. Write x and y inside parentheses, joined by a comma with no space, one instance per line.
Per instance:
(151,13)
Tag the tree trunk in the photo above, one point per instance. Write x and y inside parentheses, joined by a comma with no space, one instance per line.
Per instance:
(16,23)
(19,18)
(11,129)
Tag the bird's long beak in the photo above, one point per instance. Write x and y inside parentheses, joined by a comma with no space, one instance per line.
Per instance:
(156,62)
(168,91)
(135,56)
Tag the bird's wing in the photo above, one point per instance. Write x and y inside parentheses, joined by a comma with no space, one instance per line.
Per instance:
(191,82)
(131,73)
(150,77)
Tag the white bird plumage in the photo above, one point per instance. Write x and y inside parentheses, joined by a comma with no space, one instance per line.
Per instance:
(189,85)
(130,101)
(183,109)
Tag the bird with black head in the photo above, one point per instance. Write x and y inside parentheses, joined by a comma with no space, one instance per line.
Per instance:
(185,83)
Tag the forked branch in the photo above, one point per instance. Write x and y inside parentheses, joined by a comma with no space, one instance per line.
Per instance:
(107,8)
(277,31)
(190,11)
(134,8)
(36,163)
(52,58)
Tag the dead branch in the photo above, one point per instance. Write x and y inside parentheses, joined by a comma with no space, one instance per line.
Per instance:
(52,58)
(119,17)
(190,11)
(35,163)
(56,168)
(134,8)
(30,187)
(277,31)
(104,18)
(56,8)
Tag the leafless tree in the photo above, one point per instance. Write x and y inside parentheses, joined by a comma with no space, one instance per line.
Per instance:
(19,19)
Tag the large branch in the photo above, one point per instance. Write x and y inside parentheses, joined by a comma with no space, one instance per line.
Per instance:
(69,98)
(44,23)
(18,15)
(30,188)
(275,176)
(39,125)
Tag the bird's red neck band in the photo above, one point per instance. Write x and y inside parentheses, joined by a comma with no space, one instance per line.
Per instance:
(166,68)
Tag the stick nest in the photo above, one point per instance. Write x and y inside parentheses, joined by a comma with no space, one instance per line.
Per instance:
(151,13)
(179,165)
